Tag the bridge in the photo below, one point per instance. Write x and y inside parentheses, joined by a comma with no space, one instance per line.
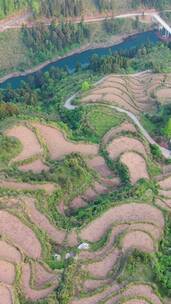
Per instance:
(155,17)
(163,25)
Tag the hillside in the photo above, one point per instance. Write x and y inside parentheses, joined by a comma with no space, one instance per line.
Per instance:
(85,153)
(76,7)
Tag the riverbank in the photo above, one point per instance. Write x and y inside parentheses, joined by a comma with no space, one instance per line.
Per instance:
(114,40)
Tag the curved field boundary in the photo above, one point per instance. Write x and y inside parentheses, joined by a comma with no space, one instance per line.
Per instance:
(166,183)
(41,275)
(27,138)
(124,127)
(59,146)
(100,269)
(6,294)
(136,166)
(9,253)
(118,231)
(135,291)
(7,272)
(19,234)
(138,240)
(165,152)
(42,222)
(124,144)
(37,166)
(125,213)
(98,297)
(92,284)
(33,294)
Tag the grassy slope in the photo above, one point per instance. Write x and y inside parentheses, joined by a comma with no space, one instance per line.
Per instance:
(12,51)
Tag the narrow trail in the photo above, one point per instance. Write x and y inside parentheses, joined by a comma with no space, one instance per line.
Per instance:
(69,106)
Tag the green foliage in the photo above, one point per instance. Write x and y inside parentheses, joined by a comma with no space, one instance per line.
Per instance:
(156,152)
(167,129)
(44,41)
(159,123)
(66,289)
(138,268)
(93,122)
(9,148)
(162,261)
(85,86)
(7,110)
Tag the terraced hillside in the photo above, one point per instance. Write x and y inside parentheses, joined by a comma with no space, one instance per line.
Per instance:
(135,93)
(73,213)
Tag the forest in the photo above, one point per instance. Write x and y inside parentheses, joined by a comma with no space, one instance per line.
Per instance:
(66,8)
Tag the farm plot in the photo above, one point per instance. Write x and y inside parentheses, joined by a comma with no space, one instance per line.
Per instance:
(6,294)
(28,291)
(124,144)
(58,146)
(136,166)
(36,166)
(19,234)
(138,293)
(133,93)
(30,144)
(164,199)
(122,214)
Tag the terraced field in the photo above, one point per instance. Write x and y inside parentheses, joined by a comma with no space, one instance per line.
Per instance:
(72,213)
(137,93)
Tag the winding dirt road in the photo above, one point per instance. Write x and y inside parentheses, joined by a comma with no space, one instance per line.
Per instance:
(165,152)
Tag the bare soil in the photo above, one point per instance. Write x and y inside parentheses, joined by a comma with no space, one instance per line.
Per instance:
(166,183)
(90,285)
(136,166)
(125,144)
(125,126)
(164,94)
(42,222)
(29,293)
(6,294)
(94,299)
(42,276)
(59,147)
(125,213)
(28,140)
(9,253)
(78,202)
(72,239)
(138,240)
(7,272)
(98,163)
(36,166)
(142,290)
(136,301)
(101,268)
(19,234)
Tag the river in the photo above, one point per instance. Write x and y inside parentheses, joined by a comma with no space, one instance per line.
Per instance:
(84,57)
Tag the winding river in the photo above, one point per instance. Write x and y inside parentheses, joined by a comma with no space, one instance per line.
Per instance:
(83,58)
